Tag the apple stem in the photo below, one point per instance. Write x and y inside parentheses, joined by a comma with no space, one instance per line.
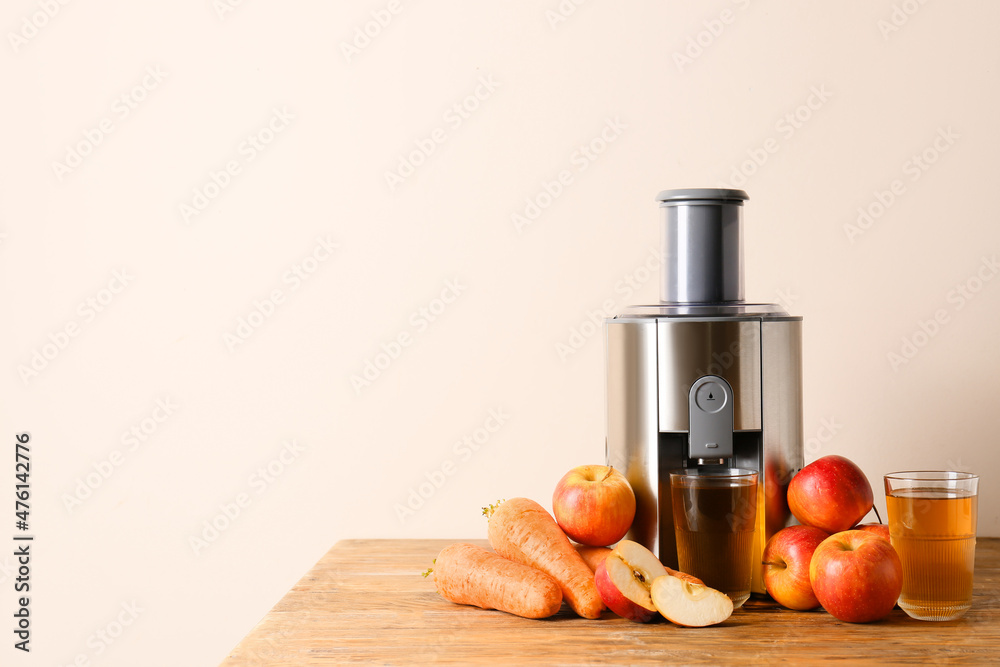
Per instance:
(876,514)
(611,469)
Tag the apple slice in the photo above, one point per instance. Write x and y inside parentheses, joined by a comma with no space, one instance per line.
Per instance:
(689,604)
(623,580)
(684,576)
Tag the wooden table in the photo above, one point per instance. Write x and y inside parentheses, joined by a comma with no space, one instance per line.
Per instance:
(366,602)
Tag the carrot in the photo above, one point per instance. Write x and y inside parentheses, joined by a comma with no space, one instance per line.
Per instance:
(467,574)
(521,530)
(592,556)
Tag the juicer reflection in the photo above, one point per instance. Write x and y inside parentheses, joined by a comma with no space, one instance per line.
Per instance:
(703,378)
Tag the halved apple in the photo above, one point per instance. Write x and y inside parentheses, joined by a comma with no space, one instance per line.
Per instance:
(624,578)
(689,604)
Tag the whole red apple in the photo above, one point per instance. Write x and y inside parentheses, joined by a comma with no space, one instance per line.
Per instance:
(786,566)
(879,529)
(594,505)
(831,494)
(856,575)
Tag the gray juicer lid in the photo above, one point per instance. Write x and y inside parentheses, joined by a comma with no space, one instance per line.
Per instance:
(712,195)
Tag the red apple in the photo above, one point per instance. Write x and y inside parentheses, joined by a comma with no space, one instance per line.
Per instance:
(786,566)
(831,494)
(856,575)
(623,580)
(594,505)
(879,529)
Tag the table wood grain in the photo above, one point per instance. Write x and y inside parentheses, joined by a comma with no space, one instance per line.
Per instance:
(365,602)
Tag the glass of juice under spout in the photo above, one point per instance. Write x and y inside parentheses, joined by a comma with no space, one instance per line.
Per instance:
(715,515)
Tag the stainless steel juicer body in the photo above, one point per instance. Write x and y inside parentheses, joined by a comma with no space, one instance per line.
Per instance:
(703,378)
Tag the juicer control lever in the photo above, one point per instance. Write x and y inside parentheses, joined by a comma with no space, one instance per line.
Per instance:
(710,403)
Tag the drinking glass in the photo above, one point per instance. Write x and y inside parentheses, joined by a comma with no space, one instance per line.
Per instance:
(932,525)
(715,515)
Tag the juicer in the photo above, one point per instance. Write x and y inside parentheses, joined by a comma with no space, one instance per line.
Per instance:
(703,378)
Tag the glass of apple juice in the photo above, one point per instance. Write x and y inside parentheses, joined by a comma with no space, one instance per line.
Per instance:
(715,516)
(932,526)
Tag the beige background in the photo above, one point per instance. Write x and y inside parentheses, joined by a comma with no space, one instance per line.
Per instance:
(881,93)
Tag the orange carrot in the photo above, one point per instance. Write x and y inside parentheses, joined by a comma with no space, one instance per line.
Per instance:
(592,556)
(521,530)
(467,574)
